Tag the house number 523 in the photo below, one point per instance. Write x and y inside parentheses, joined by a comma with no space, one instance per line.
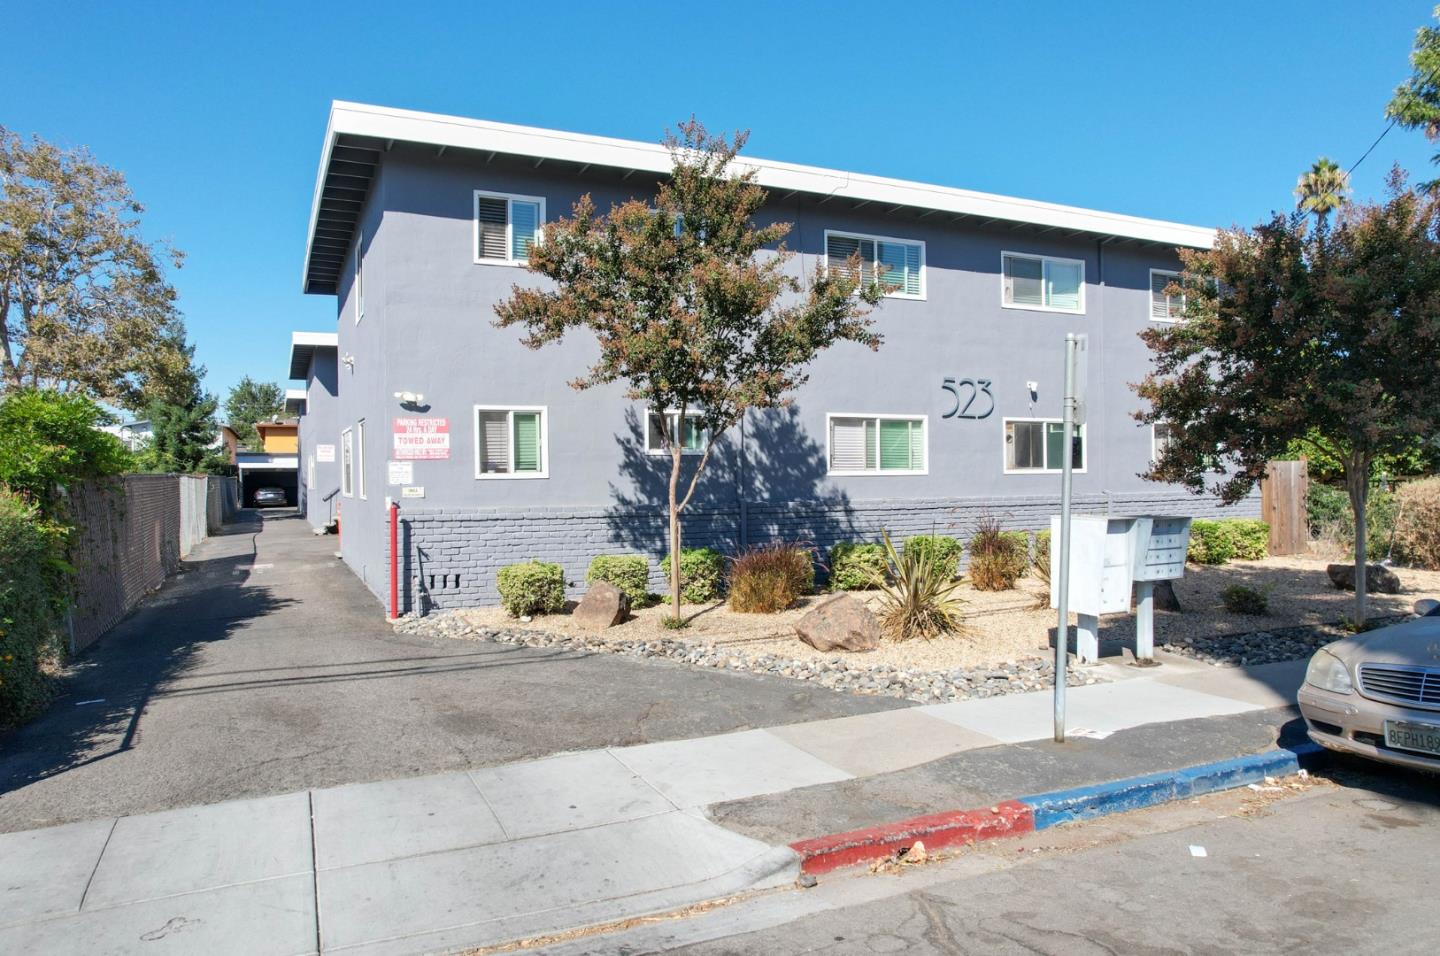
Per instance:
(966,391)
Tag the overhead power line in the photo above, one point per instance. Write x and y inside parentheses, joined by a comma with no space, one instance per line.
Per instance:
(1367,152)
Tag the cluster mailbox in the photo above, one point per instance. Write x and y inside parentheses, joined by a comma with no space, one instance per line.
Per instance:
(1110,555)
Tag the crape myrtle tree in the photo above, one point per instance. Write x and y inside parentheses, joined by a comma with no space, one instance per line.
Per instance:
(691,302)
(1322,334)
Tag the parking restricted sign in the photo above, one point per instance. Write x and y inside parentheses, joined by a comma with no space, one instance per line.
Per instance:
(422,439)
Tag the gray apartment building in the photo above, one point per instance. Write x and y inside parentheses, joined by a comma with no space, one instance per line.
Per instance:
(421,223)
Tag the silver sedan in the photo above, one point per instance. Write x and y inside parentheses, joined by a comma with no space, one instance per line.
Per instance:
(1377,694)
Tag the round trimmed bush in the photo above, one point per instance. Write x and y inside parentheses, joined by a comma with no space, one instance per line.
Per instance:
(628,572)
(942,550)
(857,567)
(702,574)
(531,587)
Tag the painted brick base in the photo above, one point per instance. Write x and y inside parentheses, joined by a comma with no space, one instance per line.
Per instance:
(450,557)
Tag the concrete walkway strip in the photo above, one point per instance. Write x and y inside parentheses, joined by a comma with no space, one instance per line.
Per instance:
(492,894)
(46,872)
(696,773)
(569,792)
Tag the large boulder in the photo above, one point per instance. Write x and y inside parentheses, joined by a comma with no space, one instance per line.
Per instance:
(839,623)
(1378,578)
(604,605)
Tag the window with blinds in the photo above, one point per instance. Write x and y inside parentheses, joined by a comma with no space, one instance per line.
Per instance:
(898,264)
(506,227)
(510,443)
(1040,446)
(692,440)
(1163,306)
(1043,283)
(864,444)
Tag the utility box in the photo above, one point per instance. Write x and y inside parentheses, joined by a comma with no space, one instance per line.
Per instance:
(1102,563)
(1109,556)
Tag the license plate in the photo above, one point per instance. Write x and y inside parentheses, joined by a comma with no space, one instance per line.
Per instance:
(1420,738)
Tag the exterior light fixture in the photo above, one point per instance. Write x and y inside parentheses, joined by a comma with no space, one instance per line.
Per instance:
(410,398)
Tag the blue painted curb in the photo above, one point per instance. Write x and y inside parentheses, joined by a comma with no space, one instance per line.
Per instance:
(1133,793)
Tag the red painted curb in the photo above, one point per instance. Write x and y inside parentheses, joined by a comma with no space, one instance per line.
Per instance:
(937,830)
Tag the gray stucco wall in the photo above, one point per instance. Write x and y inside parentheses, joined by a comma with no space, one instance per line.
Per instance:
(428,328)
(319,426)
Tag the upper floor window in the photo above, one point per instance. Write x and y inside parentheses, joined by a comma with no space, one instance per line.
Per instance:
(506,227)
(1038,445)
(1044,283)
(894,262)
(510,442)
(876,444)
(360,276)
(692,440)
(1165,307)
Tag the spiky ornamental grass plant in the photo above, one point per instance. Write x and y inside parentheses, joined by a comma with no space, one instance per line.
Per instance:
(920,597)
(1326,335)
(690,302)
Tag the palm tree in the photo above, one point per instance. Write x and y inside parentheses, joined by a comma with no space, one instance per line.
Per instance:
(1322,188)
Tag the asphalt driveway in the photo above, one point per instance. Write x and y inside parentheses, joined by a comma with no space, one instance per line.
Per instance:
(266,667)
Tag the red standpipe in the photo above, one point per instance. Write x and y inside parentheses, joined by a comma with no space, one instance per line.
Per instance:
(394,560)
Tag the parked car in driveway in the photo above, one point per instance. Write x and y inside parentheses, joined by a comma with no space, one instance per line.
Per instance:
(270,497)
(1377,694)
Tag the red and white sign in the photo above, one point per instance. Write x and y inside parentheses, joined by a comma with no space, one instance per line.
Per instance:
(422,439)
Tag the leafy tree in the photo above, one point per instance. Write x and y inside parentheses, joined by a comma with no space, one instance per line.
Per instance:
(1293,333)
(51,440)
(182,422)
(1322,188)
(1416,103)
(84,305)
(250,402)
(690,302)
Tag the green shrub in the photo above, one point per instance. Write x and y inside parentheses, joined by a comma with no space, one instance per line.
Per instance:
(1210,543)
(921,597)
(628,572)
(29,639)
(50,440)
(1041,567)
(1417,524)
(1325,506)
(1250,537)
(532,587)
(702,574)
(997,558)
(770,578)
(943,551)
(1242,600)
(856,567)
(1332,523)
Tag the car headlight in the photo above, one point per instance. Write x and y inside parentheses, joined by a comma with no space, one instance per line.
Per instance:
(1327,672)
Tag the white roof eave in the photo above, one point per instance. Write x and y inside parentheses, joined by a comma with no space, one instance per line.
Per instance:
(455,132)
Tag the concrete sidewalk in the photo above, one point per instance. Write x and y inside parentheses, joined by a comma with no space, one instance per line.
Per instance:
(490,855)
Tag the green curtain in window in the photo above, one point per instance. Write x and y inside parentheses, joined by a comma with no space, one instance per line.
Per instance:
(902,446)
(527,441)
(693,435)
(1055,447)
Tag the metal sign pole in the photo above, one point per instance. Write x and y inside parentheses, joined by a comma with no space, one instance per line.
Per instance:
(1061,549)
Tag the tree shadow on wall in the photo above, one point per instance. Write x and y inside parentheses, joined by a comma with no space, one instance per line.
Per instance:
(774,489)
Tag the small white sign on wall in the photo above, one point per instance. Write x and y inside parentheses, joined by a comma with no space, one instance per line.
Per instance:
(400,472)
(412,491)
(325,453)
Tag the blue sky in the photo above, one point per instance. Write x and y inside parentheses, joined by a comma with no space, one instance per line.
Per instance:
(215,112)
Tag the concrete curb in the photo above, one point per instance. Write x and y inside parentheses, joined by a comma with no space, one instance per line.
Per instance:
(1039,811)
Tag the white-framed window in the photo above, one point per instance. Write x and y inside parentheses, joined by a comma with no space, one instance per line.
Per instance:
(310,474)
(360,456)
(1042,283)
(1165,307)
(1035,445)
(347,463)
(897,262)
(1161,434)
(506,226)
(512,441)
(692,440)
(877,444)
(360,277)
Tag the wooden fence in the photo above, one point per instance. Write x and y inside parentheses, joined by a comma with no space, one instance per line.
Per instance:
(1282,504)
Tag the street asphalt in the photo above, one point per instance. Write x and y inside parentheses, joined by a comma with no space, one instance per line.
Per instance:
(266,667)
(1338,867)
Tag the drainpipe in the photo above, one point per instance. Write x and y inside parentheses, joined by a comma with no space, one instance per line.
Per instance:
(394,510)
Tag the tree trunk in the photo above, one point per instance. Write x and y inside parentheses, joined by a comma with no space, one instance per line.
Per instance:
(1357,482)
(674,532)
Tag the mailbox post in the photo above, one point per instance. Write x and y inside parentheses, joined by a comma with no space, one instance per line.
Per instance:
(1109,557)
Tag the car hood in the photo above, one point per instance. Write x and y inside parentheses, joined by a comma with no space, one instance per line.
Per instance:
(1415,642)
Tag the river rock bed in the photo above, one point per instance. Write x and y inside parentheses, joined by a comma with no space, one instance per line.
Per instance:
(1262,647)
(850,675)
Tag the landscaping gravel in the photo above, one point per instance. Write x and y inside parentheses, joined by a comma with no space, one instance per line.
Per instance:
(846,675)
(1262,647)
